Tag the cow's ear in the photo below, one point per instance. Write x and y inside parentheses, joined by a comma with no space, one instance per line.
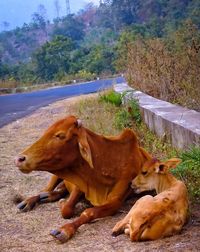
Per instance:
(173,162)
(85,148)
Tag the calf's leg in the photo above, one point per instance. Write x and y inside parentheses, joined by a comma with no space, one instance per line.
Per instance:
(123,224)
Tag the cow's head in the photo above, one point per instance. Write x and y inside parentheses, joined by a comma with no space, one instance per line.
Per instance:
(60,147)
(151,174)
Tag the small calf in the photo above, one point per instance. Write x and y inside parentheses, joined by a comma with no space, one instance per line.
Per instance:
(156,217)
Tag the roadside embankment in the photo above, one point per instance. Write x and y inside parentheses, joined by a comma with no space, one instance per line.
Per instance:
(178,124)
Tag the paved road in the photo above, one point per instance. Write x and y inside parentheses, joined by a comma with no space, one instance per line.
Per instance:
(15,106)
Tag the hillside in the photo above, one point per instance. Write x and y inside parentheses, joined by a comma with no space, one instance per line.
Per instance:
(154,42)
(155,16)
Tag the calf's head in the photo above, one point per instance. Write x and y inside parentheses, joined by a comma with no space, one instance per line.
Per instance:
(60,147)
(151,174)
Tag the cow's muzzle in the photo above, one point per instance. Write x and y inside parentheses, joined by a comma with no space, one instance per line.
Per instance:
(20,162)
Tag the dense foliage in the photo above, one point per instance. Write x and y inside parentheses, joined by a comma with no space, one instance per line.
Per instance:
(53,58)
(156,42)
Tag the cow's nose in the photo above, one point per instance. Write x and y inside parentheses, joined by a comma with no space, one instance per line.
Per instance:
(20,159)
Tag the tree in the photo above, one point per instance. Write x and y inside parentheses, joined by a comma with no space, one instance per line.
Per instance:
(99,59)
(87,14)
(5,25)
(57,8)
(125,12)
(53,58)
(104,17)
(42,11)
(127,37)
(38,21)
(69,27)
(4,69)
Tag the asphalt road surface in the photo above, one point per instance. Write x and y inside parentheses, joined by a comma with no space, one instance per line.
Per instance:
(15,106)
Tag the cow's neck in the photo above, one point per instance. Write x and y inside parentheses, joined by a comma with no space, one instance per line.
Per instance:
(166,182)
(86,183)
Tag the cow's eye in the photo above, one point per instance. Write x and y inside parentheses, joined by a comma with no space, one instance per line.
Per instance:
(60,135)
(144,173)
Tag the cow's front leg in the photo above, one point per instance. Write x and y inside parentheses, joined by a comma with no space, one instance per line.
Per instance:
(64,233)
(67,205)
(47,195)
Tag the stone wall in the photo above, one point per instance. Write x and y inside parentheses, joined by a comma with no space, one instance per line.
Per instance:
(178,124)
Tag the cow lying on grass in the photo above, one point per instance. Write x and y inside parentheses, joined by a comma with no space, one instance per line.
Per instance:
(100,167)
(160,216)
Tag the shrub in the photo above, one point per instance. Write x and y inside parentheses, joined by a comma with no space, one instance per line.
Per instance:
(128,115)
(189,171)
(134,110)
(84,75)
(167,68)
(123,119)
(112,97)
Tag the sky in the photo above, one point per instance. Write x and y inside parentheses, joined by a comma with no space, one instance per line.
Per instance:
(18,12)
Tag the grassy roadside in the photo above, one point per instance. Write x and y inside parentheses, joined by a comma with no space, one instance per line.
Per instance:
(105,115)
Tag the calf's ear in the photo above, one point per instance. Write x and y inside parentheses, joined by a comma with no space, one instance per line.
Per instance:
(173,162)
(85,148)
(169,164)
(162,168)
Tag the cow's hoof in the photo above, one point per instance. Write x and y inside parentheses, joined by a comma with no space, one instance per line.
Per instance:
(21,205)
(25,206)
(59,235)
(116,233)
(28,204)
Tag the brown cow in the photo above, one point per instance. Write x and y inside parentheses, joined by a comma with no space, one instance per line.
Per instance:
(98,166)
(160,216)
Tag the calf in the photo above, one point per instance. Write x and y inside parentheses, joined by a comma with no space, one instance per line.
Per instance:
(100,167)
(160,216)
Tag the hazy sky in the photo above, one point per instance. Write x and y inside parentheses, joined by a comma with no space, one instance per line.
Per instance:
(17,12)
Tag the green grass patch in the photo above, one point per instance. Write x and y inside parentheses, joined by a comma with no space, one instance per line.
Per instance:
(111,97)
(189,171)
(129,115)
(123,119)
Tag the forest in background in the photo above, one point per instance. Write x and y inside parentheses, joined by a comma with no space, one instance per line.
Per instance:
(156,43)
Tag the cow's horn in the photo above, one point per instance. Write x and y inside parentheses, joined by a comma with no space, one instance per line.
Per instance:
(79,123)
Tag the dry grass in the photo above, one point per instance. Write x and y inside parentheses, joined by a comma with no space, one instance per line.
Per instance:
(98,116)
(168,69)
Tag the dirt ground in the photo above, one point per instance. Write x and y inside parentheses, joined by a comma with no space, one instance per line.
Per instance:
(30,231)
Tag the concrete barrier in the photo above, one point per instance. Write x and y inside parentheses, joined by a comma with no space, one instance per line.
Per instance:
(178,124)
